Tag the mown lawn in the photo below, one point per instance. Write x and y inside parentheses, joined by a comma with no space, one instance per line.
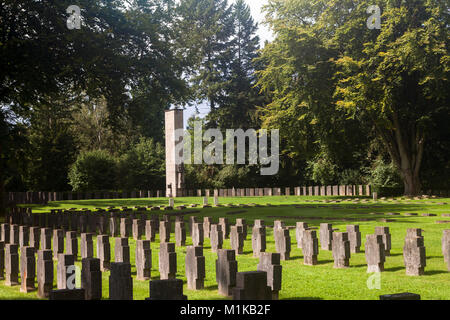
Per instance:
(299,281)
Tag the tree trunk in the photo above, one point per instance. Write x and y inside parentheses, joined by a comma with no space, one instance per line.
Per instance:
(406,150)
(2,189)
(412,183)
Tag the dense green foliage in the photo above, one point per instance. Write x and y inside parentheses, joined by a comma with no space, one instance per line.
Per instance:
(299,282)
(93,171)
(335,81)
(354,105)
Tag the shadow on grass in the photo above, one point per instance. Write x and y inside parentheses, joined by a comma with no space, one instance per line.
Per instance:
(395,255)
(295,258)
(212,288)
(303,298)
(393,269)
(324,261)
(358,265)
(433,272)
(22,298)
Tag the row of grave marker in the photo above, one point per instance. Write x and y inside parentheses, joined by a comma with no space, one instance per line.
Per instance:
(40,197)
(85,221)
(341,243)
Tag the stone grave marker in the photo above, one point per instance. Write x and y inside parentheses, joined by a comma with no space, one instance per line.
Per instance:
(58,242)
(192,221)
(326,236)
(24,236)
(226,270)
(72,244)
(86,246)
(114,225)
(195,267)
(310,247)
(258,238)
(46,238)
(125,227)
(341,250)
(216,237)
(180,233)
(197,234)
(300,228)
(207,222)
(35,233)
(104,252)
(282,242)
(270,263)
(91,278)
(242,222)
(164,231)
(120,281)
(414,255)
(138,228)
(354,236)
(237,239)
(27,269)
(375,257)
(65,271)
(143,260)
(384,232)
(2,260)
(446,247)
(5,233)
(400,296)
(151,227)
(67,294)
(121,250)
(251,285)
(169,289)
(167,261)
(44,273)
(225,224)
(14,234)
(11,264)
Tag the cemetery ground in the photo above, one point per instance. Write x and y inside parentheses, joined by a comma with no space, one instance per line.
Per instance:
(299,281)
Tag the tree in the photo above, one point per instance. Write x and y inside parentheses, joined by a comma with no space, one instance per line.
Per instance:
(119,47)
(237,107)
(51,145)
(325,60)
(92,127)
(93,171)
(143,166)
(207,26)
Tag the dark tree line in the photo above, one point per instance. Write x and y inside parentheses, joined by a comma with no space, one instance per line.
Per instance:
(353,105)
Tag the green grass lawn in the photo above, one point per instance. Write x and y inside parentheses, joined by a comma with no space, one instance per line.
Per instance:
(299,281)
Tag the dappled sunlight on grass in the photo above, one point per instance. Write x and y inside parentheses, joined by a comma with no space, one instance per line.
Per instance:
(299,281)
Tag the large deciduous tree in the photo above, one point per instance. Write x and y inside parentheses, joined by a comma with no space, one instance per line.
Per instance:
(325,61)
(120,47)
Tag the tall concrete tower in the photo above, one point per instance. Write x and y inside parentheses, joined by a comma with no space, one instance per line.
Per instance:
(174,172)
